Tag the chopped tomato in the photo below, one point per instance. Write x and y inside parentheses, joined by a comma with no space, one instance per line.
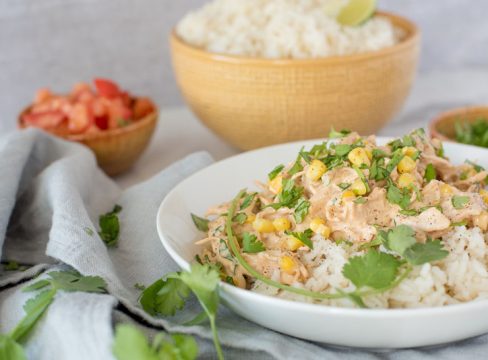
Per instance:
(80,88)
(119,114)
(80,118)
(101,122)
(142,107)
(107,88)
(126,99)
(42,95)
(46,120)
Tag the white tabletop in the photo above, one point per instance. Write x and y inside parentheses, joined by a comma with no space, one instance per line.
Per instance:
(179,133)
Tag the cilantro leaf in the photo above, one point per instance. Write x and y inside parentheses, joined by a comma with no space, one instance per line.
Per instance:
(240,218)
(73,281)
(419,253)
(301,210)
(344,186)
(203,280)
(165,296)
(397,196)
(430,173)
(289,195)
(374,269)
(333,134)
(130,343)
(400,238)
(250,243)
(395,160)
(34,308)
(343,149)
(360,200)
(10,349)
(459,201)
(304,237)
(297,166)
(460,223)
(200,223)
(409,212)
(275,172)
(247,200)
(110,226)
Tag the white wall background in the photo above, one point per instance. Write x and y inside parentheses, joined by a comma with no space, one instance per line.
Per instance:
(58,42)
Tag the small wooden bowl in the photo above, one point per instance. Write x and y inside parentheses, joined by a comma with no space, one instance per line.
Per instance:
(116,150)
(442,126)
(254,102)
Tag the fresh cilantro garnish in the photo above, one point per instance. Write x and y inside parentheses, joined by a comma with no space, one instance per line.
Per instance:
(13,266)
(374,269)
(475,133)
(139,286)
(401,240)
(395,160)
(289,195)
(200,223)
(35,307)
(168,295)
(343,149)
(88,231)
(362,177)
(165,296)
(409,212)
(344,186)
(240,218)
(360,200)
(297,166)
(247,200)
(459,223)
(130,343)
(430,173)
(333,134)
(251,244)
(430,251)
(301,210)
(475,166)
(304,237)
(274,173)
(110,226)
(317,151)
(459,201)
(397,196)
(229,280)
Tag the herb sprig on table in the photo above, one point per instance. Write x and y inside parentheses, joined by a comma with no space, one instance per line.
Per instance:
(35,307)
(168,295)
(110,226)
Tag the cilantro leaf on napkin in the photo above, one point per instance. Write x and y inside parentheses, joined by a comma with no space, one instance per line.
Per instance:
(110,226)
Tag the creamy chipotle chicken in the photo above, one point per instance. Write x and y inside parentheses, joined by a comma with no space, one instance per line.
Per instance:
(349,220)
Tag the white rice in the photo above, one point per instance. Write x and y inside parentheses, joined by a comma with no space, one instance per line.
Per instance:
(297,29)
(461,276)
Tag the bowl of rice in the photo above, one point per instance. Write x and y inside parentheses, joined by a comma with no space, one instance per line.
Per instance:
(262,72)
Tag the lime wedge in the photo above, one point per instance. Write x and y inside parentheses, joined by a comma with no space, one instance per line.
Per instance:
(356,12)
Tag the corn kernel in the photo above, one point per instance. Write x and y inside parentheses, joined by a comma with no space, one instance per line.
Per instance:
(359,156)
(276,184)
(369,153)
(292,243)
(446,189)
(315,223)
(409,151)
(407,164)
(316,169)
(481,221)
(263,225)
(348,194)
(281,224)
(406,180)
(324,230)
(484,195)
(250,218)
(358,187)
(287,264)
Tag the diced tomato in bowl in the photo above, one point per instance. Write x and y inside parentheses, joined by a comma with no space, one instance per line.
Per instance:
(114,124)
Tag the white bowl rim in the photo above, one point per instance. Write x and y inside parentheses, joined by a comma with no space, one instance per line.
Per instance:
(397,313)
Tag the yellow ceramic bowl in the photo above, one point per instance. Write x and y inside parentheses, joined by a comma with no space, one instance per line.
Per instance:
(116,150)
(442,126)
(254,102)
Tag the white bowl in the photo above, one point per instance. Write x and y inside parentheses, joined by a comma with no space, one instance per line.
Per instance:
(365,328)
